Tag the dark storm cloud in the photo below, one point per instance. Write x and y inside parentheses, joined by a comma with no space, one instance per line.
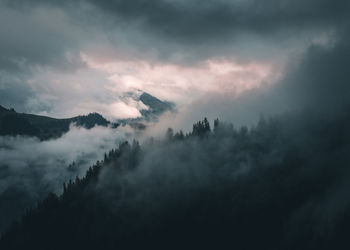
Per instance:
(32,37)
(53,33)
(212,20)
(175,30)
(196,23)
(170,24)
(14,93)
(322,81)
(203,21)
(315,84)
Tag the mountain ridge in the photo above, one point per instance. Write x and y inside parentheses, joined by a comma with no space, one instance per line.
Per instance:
(13,123)
(156,107)
(45,127)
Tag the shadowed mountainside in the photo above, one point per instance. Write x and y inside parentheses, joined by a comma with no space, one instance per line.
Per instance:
(155,107)
(43,127)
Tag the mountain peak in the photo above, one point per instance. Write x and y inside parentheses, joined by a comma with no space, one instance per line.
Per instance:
(157,106)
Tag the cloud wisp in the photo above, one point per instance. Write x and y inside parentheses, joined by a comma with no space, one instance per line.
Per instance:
(30,168)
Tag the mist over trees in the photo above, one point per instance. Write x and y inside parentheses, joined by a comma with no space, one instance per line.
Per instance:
(31,168)
(280,184)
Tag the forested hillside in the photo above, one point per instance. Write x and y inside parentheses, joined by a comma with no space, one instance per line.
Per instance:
(281,184)
(43,127)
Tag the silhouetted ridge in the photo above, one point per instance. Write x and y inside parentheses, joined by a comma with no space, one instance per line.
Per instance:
(43,127)
(90,120)
(2,109)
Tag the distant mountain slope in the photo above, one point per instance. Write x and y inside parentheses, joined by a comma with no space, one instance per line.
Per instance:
(43,127)
(156,108)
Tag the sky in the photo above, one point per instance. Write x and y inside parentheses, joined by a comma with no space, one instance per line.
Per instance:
(66,58)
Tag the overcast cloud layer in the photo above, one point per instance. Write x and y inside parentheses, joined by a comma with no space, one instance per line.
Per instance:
(65,58)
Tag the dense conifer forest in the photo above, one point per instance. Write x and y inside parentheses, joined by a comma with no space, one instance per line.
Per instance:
(280,184)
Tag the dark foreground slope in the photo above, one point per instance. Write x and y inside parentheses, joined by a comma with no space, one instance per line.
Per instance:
(43,127)
(280,185)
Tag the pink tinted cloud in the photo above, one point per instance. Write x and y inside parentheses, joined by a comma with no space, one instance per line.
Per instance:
(183,84)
